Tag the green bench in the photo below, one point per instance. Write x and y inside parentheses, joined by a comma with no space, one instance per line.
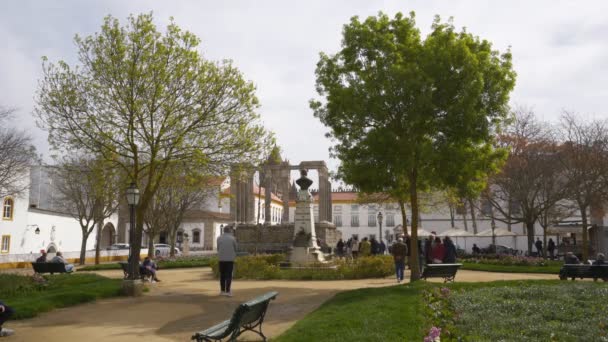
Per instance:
(49,267)
(584,271)
(445,271)
(248,316)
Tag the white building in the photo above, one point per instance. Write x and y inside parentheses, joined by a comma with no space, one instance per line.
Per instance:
(31,221)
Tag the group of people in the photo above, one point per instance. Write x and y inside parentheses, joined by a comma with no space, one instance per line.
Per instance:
(437,251)
(433,251)
(551,247)
(58,258)
(366,247)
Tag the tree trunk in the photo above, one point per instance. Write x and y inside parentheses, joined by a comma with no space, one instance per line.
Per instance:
(136,243)
(83,247)
(151,246)
(172,242)
(403,215)
(585,248)
(452,214)
(530,229)
(545,242)
(415,271)
(98,238)
(472,207)
(464,216)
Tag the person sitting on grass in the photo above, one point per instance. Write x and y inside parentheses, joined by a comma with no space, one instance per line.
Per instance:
(42,257)
(58,258)
(150,267)
(5,313)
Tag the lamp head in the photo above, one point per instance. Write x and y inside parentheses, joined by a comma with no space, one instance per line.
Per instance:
(132,194)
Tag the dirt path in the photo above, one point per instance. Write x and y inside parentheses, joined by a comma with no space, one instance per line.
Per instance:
(187,300)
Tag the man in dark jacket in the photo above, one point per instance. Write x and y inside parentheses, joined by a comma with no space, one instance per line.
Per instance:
(450,251)
(5,313)
(551,248)
(399,251)
(539,247)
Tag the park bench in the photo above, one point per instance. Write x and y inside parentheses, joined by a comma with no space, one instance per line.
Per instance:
(248,316)
(143,272)
(445,271)
(584,271)
(49,267)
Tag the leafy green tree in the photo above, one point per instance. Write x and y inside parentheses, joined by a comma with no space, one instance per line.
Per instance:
(144,99)
(413,113)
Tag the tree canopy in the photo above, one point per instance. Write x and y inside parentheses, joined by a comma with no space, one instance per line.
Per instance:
(413,113)
(144,99)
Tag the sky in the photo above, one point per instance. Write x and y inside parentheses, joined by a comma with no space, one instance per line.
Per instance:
(560,51)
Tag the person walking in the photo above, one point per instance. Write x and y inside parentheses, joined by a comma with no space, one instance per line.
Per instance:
(226,252)
(551,248)
(5,313)
(539,247)
(355,247)
(399,252)
(340,248)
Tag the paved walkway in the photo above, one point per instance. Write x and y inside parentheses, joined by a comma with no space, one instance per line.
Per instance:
(187,300)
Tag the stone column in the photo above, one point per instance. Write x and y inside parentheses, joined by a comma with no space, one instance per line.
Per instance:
(267,195)
(323,192)
(284,176)
(242,200)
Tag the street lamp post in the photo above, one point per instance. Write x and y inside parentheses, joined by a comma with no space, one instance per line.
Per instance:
(380,227)
(132,200)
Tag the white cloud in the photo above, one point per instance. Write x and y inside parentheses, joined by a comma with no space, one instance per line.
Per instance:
(558,47)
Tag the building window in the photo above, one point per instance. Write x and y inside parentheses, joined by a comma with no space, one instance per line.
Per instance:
(196,236)
(7,209)
(390,220)
(354,207)
(371,220)
(6,244)
(180,236)
(338,220)
(354,220)
(337,208)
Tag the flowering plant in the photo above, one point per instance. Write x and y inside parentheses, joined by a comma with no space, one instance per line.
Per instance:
(434,335)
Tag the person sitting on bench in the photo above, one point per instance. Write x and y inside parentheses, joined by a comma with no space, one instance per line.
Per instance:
(600,260)
(571,259)
(150,267)
(5,313)
(42,257)
(59,259)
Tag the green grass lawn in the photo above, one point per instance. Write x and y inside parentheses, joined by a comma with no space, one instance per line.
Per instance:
(29,297)
(163,264)
(549,269)
(529,310)
(380,314)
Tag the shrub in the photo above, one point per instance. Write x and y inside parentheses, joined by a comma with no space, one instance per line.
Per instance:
(267,267)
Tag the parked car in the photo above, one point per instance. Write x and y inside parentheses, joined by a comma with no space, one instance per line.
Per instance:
(118,246)
(499,249)
(163,249)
